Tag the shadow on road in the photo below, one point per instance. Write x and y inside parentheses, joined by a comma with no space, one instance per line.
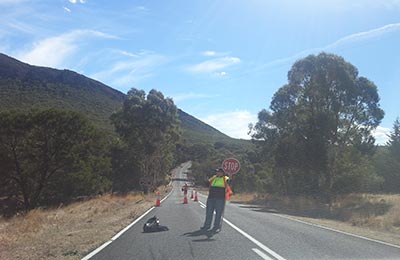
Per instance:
(199,233)
(259,208)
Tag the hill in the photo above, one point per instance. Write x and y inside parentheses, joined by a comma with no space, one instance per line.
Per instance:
(23,87)
(196,131)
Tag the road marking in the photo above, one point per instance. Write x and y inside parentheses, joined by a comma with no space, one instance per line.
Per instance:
(338,231)
(252,239)
(261,254)
(97,250)
(255,241)
(120,233)
(166,197)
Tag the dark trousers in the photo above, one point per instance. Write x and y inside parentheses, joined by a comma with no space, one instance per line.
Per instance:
(212,205)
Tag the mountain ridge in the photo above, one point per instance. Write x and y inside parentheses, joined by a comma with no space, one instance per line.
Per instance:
(24,86)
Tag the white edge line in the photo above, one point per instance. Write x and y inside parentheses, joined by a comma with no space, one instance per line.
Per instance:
(91,254)
(115,237)
(261,254)
(97,250)
(255,241)
(166,196)
(338,231)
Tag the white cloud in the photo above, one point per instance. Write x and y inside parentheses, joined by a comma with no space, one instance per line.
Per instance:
(214,65)
(191,95)
(234,124)
(209,53)
(361,36)
(221,74)
(21,26)
(349,39)
(142,8)
(53,51)
(77,1)
(126,53)
(131,69)
(67,9)
(381,135)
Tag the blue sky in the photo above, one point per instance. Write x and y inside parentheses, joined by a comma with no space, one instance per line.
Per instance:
(221,61)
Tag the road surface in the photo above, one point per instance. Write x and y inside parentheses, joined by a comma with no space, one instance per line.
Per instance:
(247,233)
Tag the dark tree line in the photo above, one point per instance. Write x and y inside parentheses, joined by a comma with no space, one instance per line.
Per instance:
(52,156)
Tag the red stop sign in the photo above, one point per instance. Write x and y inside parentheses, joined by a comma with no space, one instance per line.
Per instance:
(231,166)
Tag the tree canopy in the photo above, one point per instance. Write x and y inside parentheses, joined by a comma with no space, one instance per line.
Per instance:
(149,127)
(324,112)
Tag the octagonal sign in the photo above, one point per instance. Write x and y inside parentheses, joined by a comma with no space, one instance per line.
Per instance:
(231,166)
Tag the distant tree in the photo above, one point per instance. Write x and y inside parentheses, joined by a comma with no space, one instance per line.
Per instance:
(394,140)
(51,155)
(388,161)
(149,126)
(325,108)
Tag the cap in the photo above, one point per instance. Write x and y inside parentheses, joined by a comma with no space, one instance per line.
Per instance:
(219,170)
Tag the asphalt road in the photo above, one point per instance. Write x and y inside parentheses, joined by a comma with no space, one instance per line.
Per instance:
(247,233)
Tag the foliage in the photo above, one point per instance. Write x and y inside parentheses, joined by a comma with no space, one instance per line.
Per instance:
(387,161)
(24,87)
(324,110)
(208,157)
(149,127)
(51,155)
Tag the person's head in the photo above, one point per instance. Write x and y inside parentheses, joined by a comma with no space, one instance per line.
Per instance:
(220,172)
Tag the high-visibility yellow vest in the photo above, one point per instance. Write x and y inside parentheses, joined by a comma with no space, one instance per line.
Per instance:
(218,181)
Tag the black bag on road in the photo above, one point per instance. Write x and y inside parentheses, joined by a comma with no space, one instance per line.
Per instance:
(153,225)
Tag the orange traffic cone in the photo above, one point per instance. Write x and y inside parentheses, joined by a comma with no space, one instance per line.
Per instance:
(191,195)
(158,202)
(195,196)
(185,199)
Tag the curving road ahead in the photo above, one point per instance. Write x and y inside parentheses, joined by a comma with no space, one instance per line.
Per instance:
(247,233)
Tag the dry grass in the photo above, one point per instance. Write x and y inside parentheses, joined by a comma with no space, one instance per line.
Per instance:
(373,215)
(381,212)
(72,231)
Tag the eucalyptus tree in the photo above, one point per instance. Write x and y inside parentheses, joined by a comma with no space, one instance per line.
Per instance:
(150,128)
(323,110)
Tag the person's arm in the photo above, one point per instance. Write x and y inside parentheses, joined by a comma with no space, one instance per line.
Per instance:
(211,179)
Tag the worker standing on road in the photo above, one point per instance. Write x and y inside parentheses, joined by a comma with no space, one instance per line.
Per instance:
(185,189)
(216,200)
